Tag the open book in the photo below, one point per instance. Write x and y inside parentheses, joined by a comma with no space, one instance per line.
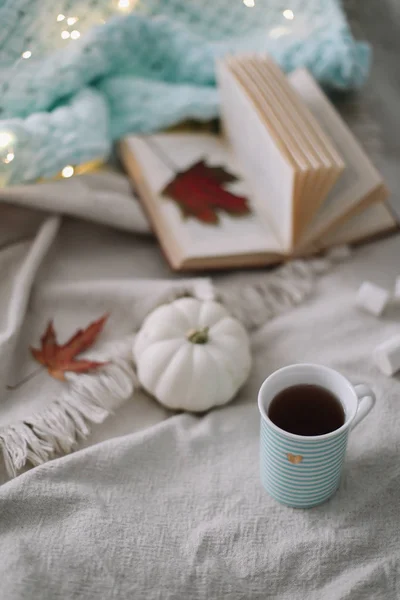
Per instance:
(287,178)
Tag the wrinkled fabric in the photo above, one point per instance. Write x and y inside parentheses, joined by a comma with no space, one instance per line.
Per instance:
(175,508)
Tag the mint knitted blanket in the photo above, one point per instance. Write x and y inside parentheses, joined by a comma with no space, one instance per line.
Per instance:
(75,76)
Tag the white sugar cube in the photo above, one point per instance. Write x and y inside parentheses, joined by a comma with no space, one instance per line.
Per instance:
(372,298)
(387,356)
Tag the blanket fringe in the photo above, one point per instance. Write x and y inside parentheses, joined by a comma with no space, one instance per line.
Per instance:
(91,398)
(282,289)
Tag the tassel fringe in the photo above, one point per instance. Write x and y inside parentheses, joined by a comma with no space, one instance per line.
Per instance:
(55,430)
(282,289)
(91,398)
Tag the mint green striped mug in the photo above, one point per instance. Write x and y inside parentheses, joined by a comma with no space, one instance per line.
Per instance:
(303,471)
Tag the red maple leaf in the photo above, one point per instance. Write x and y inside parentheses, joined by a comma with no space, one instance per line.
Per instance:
(199,193)
(60,358)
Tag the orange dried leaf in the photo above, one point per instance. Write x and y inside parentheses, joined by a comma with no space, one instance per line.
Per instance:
(60,358)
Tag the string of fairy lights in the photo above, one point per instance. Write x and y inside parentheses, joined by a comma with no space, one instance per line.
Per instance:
(70,31)
(70,23)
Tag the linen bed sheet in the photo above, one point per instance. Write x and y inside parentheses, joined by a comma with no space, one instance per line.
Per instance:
(174,508)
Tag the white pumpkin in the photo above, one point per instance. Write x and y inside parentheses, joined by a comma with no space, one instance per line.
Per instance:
(192,355)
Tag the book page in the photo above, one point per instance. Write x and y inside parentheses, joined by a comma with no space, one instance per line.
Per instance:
(359,176)
(281,128)
(274,85)
(161,158)
(269,168)
(323,147)
(373,220)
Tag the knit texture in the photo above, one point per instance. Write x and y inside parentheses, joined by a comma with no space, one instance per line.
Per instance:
(145,70)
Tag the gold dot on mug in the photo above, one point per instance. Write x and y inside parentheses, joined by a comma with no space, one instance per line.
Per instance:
(295,459)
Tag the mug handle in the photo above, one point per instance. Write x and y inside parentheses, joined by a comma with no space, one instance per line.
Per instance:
(366,400)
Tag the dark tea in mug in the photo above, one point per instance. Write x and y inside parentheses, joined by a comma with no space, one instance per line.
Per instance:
(306,409)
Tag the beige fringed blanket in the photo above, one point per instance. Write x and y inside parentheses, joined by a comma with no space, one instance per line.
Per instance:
(174,508)
(43,418)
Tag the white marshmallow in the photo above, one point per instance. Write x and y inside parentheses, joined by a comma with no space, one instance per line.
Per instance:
(387,356)
(372,298)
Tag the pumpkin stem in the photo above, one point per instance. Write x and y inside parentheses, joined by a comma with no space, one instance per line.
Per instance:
(198,336)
